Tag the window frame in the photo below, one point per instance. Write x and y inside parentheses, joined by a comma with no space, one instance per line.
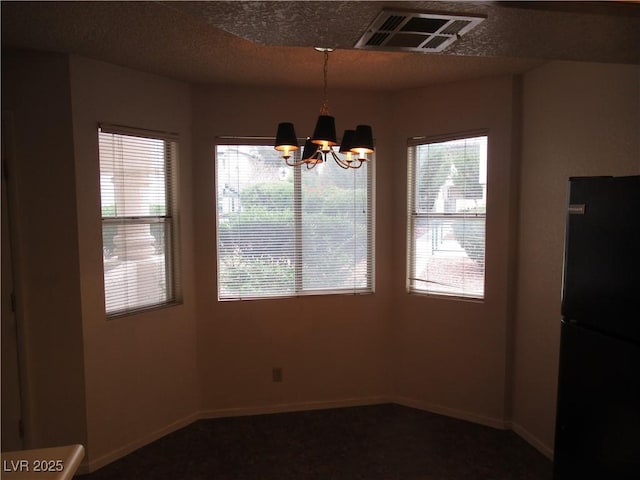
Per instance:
(170,219)
(298,290)
(412,215)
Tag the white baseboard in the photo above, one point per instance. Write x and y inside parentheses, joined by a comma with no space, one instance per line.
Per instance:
(532,440)
(88,467)
(452,412)
(93,465)
(522,432)
(293,407)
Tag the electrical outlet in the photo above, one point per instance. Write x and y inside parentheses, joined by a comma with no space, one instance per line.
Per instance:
(277,374)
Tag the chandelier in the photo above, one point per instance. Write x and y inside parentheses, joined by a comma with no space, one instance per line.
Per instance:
(355,145)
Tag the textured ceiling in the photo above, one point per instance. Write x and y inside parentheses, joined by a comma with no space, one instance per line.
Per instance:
(269,43)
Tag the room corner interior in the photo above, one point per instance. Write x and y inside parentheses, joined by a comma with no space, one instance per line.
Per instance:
(555,86)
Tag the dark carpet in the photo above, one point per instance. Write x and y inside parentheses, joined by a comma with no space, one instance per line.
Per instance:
(380,442)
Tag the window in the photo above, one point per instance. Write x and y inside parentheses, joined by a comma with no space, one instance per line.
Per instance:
(447,210)
(137,187)
(286,231)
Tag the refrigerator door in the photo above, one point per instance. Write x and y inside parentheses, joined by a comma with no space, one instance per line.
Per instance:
(598,417)
(601,284)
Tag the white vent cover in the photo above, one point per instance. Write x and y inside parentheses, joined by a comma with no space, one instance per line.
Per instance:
(416,32)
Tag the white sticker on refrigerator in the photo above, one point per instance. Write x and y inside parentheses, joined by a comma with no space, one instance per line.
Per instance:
(577,209)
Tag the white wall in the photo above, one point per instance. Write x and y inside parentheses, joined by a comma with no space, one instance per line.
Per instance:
(579,119)
(35,89)
(141,370)
(332,349)
(453,356)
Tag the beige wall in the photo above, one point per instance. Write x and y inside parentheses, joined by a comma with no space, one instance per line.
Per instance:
(332,348)
(132,379)
(452,356)
(579,119)
(35,90)
(141,372)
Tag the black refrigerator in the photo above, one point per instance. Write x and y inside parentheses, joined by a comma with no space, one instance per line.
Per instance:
(598,410)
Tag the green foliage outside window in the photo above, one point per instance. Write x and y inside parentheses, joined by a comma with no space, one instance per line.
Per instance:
(268,208)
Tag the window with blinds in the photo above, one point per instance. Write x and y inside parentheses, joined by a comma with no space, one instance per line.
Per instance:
(286,231)
(446,216)
(138,198)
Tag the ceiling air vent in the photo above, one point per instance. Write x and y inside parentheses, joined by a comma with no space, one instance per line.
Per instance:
(415,31)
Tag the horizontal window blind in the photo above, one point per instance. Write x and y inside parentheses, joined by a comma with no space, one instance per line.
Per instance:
(286,231)
(447,212)
(336,228)
(138,222)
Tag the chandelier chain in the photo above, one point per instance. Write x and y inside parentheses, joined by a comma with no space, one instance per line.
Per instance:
(325,104)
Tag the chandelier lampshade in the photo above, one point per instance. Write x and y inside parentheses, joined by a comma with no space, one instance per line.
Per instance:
(325,132)
(311,154)
(345,146)
(363,140)
(309,149)
(347,141)
(286,139)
